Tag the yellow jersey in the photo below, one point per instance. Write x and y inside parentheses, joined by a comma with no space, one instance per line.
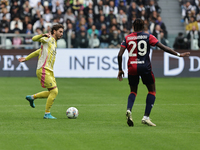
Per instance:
(47,52)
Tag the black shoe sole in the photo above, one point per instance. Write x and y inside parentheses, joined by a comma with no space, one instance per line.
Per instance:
(130,123)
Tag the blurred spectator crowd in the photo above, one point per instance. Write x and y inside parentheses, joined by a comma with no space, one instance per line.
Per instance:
(87,23)
(190,38)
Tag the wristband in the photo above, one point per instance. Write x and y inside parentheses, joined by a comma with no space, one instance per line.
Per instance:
(178,54)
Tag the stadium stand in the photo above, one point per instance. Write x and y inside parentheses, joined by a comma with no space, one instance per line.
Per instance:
(190,18)
(106,22)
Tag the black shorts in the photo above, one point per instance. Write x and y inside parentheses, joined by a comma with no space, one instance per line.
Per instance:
(147,79)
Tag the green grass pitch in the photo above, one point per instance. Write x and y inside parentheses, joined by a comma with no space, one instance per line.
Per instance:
(101,124)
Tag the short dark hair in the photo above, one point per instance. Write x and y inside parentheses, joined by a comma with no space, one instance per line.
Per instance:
(56,27)
(138,25)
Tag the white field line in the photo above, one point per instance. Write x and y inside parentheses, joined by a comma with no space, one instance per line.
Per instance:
(100,105)
(92,132)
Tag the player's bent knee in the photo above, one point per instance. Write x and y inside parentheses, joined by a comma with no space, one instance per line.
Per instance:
(54,91)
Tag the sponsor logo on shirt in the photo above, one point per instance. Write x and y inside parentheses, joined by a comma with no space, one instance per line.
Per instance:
(137,62)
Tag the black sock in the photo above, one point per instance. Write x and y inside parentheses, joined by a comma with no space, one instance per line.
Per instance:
(149,103)
(131,100)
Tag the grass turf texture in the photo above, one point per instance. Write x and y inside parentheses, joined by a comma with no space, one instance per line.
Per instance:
(101,124)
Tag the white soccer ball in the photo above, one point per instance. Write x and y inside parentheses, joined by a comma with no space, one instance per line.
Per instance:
(72,113)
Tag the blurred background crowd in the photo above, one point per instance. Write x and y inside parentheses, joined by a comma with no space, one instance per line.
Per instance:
(190,38)
(94,23)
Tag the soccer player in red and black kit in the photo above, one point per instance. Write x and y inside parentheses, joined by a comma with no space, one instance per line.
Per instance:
(138,45)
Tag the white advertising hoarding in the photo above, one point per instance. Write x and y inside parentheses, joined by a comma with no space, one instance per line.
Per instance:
(100,63)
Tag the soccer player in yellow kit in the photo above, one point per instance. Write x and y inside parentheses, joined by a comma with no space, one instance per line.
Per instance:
(46,58)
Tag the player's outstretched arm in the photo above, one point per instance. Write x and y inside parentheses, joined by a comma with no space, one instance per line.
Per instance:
(38,37)
(121,72)
(171,51)
(31,55)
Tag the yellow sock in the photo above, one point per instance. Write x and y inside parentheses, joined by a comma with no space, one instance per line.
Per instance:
(43,94)
(52,95)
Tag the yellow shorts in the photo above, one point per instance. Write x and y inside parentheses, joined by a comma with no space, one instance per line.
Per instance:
(46,78)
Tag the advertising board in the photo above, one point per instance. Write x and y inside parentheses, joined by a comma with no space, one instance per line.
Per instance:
(98,63)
